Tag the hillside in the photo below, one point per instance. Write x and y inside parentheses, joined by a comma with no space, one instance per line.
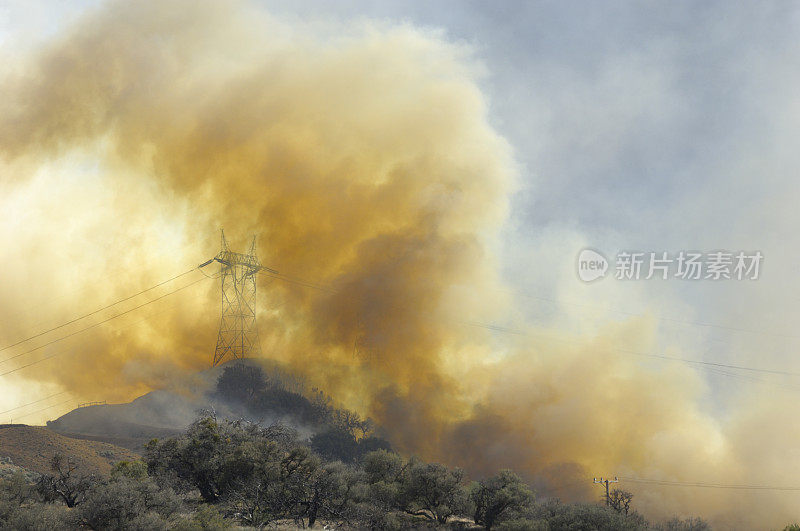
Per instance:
(32,447)
(157,414)
(167,412)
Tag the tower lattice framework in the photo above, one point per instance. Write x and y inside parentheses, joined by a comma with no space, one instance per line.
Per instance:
(238,330)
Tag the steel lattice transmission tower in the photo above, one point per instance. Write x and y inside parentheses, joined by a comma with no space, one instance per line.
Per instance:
(238,331)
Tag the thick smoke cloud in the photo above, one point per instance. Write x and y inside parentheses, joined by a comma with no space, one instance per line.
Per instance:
(364,161)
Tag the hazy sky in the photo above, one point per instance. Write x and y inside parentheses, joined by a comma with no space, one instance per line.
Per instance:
(646,126)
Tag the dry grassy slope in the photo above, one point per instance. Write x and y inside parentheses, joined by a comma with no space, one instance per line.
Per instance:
(32,447)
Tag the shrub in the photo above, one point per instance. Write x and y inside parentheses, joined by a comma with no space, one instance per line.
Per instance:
(692,524)
(586,516)
(126,503)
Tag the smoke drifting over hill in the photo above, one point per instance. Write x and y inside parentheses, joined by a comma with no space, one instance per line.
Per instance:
(364,160)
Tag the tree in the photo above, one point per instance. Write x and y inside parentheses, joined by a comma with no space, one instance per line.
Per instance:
(331,493)
(429,490)
(66,482)
(241,382)
(336,444)
(321,405)
(432,490)
(298,487)
(372,443)
(212,456)
(620,500)
(339,444)
(351,423)
(497,495)
(383,471)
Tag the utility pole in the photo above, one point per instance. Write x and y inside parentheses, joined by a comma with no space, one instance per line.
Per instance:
(605,482)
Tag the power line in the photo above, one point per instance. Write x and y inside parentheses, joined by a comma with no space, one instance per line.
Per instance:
(299,281)
(713,364)
(321,287)
(30,403)
(497,328)
(45,408)
(560,488)
(667,319)
(95,311)
(664,482)
(85,289)
(87,328)
(150,315)
(128,325)
(634,352)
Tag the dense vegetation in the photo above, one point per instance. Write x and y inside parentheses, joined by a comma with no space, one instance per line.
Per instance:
(239,473)
(340,434)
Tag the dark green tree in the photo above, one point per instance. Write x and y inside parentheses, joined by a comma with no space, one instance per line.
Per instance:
(241,382)
(497,495)
(432,490)
(212,456)
(336,444)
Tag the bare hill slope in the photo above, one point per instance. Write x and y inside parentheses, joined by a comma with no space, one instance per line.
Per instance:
(32,447)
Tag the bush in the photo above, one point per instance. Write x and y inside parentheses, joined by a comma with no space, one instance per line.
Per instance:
(20,507)
(129,469)
(690,524)
(126,503)
(36,517)
(585,517)
(205,517)
(522,524)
